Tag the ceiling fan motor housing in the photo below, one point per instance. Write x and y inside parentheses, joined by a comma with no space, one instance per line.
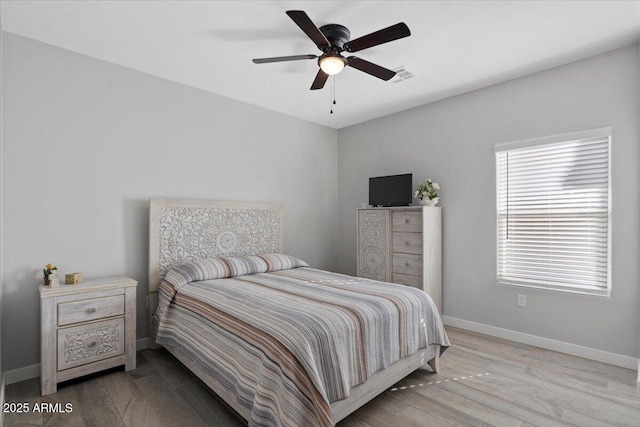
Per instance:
(336,34)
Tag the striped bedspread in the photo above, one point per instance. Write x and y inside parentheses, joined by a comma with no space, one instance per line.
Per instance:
(290,342)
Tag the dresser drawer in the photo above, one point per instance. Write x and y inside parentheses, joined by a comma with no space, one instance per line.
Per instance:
(407,264)
(407,221)
(79,345)
(90,309)
(408,243)
(407,279)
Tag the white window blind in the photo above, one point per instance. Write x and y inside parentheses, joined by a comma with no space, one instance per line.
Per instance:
(554,204)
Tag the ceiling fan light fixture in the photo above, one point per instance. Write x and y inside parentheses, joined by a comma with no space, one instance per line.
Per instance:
(332,64)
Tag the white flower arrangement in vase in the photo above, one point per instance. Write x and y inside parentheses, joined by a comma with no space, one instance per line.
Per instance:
(427,192)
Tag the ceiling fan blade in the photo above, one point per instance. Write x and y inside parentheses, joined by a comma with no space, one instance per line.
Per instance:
(321,79)
(370,68)
(304,22)
(283,58)
(385,35)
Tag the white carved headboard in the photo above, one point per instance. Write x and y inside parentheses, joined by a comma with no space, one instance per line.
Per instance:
(186,230)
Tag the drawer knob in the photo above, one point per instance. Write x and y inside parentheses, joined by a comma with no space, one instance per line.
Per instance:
(406,221)
(406,264)
(93,309)
(92,344)
(406,242)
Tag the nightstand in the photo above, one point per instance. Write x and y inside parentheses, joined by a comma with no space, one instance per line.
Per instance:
(86,328)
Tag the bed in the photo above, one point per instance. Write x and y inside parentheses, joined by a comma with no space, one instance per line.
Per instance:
(280,342)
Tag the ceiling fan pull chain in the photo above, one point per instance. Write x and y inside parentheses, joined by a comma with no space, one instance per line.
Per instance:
(333,92)
(334,89)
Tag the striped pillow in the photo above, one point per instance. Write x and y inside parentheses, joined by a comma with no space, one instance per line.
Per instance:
(276,262)
(202,269)
(243,265)
(222,268)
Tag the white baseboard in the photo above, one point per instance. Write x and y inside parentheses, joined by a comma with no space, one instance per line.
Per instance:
(549,344)
(33,371)
(638,381)
(21,374)
(142,344)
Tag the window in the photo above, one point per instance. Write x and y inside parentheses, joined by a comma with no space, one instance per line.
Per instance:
(554,212)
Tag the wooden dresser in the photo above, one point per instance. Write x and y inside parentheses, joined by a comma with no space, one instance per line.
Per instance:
(402,245)
(86,328)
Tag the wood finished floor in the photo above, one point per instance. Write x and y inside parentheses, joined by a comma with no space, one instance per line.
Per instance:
(484,381)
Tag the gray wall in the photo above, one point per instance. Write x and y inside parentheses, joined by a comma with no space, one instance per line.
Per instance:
(451,142)
(87,143)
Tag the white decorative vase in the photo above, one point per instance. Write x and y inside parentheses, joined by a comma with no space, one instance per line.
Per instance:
(429,202)
(54,278)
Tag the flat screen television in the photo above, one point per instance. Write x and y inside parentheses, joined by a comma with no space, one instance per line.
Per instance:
(394,190)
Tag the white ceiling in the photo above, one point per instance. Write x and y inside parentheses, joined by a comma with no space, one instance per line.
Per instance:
(455,46)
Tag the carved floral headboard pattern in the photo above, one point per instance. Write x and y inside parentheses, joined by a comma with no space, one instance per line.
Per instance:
(186,230)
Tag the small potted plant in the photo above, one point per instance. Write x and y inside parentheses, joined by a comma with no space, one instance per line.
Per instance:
(427,192)
(48,271)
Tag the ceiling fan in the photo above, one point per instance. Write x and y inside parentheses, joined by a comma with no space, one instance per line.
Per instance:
(332,40)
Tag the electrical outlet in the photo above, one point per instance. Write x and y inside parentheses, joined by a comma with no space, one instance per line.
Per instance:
(522,300)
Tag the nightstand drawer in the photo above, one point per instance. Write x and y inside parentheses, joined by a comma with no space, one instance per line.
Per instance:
(90,309)
(90,342)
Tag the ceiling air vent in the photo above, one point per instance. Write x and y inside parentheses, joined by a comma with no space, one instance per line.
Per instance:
(401,75)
